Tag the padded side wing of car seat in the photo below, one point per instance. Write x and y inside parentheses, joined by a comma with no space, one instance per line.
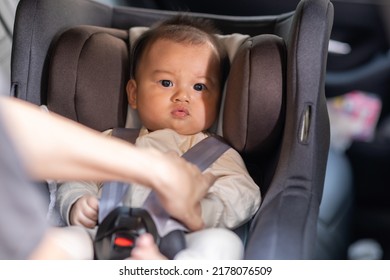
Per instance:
(253,109)
(89,82)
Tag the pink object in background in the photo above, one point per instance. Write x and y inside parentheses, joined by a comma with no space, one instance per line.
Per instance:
(353,116)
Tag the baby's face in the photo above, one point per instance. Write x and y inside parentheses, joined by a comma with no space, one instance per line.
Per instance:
(177,86)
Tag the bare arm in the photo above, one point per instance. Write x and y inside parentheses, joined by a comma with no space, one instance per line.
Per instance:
(54,147)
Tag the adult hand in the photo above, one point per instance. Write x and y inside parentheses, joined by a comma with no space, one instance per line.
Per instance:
(180,186)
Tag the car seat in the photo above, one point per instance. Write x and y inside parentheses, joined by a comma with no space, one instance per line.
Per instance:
(337,206)
(72,56)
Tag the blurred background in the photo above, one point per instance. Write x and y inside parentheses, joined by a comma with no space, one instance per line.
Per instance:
(358,92)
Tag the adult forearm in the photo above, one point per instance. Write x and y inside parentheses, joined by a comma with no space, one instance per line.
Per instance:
(54,147)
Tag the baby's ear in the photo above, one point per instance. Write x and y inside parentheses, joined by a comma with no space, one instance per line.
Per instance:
(131,89)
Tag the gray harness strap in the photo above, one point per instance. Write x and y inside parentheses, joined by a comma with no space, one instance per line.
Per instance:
(114,192)
(203,154)
(112,196)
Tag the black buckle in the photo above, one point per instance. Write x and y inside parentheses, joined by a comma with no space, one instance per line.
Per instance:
(117,234)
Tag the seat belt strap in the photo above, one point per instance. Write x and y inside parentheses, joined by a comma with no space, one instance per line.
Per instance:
(128,134)
(206,151)
(111,197)
(114,192)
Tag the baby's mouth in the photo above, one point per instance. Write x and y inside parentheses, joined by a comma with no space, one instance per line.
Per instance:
(180,112)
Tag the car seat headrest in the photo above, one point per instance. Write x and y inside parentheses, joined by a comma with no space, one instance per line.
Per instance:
(89,69)
(254,103)
(88,72)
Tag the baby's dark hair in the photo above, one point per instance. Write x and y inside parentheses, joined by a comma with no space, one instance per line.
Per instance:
(181,29)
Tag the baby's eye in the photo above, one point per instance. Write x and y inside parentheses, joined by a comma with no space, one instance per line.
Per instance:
(166,83)
(200,87)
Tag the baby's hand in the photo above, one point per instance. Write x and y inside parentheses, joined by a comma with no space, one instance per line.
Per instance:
(84,211)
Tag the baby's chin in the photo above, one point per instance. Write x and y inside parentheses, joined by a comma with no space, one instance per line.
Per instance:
(182,130)
(188,131)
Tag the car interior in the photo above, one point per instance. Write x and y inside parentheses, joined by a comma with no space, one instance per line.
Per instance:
(320,201)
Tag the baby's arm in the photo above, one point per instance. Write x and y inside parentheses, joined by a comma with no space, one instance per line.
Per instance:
(84,211)
(77,203)
(234,198)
